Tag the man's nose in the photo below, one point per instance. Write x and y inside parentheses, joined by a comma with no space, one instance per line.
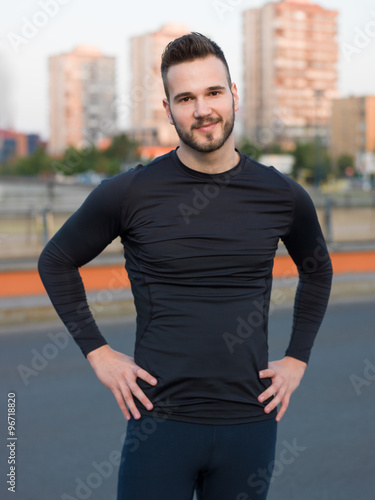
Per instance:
(201,108)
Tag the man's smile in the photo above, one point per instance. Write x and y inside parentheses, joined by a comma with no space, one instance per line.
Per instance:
(206,127)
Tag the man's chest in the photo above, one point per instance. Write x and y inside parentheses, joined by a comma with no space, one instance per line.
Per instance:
(184,234)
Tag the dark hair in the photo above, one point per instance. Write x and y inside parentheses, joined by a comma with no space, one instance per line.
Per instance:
(188,48)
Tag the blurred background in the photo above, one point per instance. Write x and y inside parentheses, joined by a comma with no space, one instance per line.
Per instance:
(81,100)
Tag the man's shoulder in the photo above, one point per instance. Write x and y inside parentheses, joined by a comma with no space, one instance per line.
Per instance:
(157,162)
(155,165)
(263,168)
(162,159)
(124,179)
(271,173)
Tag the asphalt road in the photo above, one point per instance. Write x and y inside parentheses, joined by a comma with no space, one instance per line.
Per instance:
(69,429)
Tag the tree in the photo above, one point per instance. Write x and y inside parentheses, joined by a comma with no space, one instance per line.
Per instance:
(77,161)
(312,160)
(35,164)
(273,149)
(122,148)
(343,162)
(107,162)
(249,149)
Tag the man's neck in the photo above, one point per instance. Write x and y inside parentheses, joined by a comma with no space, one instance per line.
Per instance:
(216,162)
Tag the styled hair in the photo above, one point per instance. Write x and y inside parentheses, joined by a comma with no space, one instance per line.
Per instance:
(188,48)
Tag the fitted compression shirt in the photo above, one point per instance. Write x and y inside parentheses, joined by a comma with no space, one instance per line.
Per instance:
(199,252)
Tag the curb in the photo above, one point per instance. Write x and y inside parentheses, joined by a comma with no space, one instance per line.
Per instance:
(26,310)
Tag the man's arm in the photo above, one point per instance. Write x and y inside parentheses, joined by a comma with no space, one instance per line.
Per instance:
(84,235)
(305,244)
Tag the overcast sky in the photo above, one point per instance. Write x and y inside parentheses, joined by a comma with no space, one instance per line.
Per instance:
(109,25)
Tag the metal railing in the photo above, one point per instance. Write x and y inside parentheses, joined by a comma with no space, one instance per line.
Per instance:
(31,213)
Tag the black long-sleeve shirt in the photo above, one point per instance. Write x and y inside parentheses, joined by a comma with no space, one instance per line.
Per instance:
(199,252)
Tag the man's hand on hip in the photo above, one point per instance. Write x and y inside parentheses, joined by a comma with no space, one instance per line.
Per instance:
(118,372)
(286,375)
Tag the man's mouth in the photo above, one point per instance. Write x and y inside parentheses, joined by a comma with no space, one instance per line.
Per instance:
(206,127)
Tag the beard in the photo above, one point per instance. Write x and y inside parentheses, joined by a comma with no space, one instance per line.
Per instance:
(208,144)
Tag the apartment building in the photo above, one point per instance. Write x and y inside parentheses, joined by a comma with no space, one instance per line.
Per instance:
(353,130)
(290,71)
(149,123)
(82,98)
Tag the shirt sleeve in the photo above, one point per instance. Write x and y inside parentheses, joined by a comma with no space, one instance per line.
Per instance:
(307,247)
(83,236)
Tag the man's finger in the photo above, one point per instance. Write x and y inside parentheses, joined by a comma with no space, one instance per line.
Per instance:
(133,409)
(140,395)
(128,397)
(269,392)
(273,404)
(120,401)
(280,397)
(267,373)
(144,375)
(283,408)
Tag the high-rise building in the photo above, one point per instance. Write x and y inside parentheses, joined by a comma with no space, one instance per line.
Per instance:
(290,71)
(353,128)
(149,123)
(82,98)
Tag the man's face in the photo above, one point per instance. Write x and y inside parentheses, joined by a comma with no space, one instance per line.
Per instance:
(201,103)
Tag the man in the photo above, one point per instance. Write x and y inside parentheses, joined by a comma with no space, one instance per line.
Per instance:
(200,227)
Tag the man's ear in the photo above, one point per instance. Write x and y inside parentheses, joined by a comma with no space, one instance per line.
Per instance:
(235,96)
(168,110)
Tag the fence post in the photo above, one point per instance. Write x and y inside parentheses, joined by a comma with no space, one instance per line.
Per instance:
(328,219)
(47,219)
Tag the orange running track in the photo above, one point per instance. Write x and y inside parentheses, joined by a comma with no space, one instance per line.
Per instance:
(17,283)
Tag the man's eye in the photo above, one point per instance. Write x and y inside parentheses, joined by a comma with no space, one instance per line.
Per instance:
(215,93)
(185,99)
